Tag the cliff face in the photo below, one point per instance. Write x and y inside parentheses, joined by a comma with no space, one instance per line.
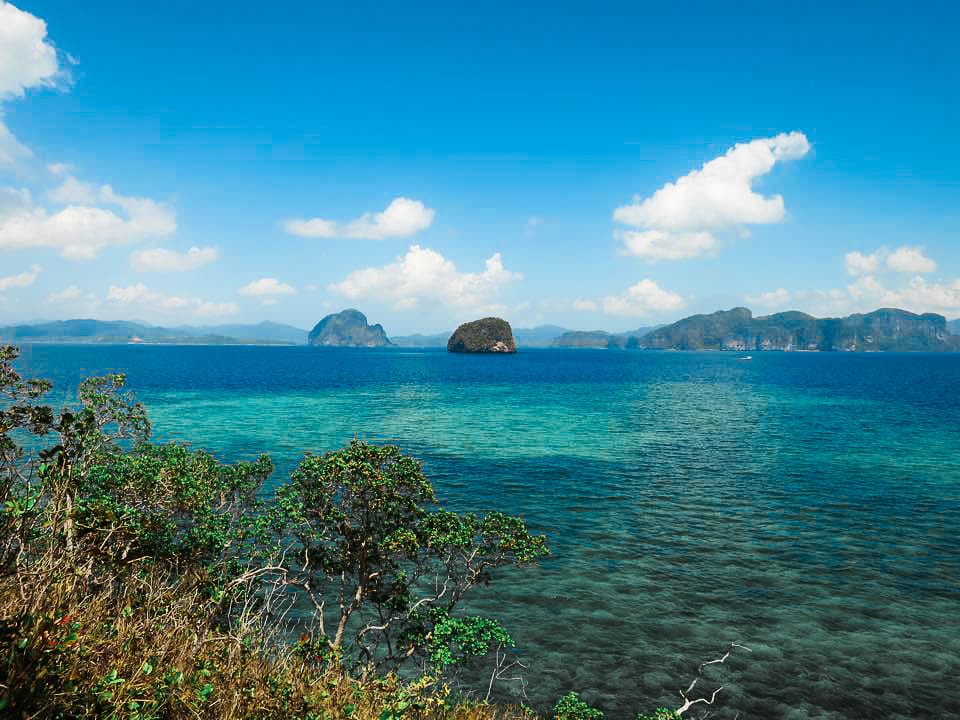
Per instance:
(737,329)
(489,335)
(348,328)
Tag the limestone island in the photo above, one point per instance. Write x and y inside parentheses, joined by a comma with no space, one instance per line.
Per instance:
(348,328)
(489,335)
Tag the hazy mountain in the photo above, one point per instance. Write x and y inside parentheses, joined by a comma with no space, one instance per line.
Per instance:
(601,339)
(737,329)
(348,328)
(123,331)
(263,331)
(954,326)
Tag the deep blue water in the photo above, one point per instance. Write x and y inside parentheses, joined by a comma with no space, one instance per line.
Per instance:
(805,505)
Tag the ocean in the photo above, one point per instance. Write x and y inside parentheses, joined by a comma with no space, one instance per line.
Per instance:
(805,505)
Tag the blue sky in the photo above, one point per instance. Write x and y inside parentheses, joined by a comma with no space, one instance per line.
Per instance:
(570,163)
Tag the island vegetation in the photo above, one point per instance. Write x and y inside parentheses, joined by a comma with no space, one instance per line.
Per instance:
(146,581)
(488,335)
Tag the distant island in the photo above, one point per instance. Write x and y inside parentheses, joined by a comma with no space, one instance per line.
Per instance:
(886,329)
(488,335)
(348,328)
(87,331)
(601,339)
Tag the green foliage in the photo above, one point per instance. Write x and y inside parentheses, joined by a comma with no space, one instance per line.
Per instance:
(661,714)
(571,707)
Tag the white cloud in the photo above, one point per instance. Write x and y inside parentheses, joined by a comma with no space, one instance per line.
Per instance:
(11,150)
(66,295)
(81,229)
(642,299)
(656,245)
(163,260)
(679,219)
(910,260)
(858,263)
(403,217)
(904,259)
(24,279)
(267,290)
(424,275)
(27,59)
(585,305)
(772,299)
(141,295)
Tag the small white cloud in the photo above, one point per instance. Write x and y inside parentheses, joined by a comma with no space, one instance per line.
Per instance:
(69,293)
(642,299)
(81,229)
(24,279)
(267,290)
(772,299)
(585,305)
(59,169)
(656,245)
(163,260)
(910,260)
(679,219)
(858,263)
(403,217)
(141,295)
(424,275)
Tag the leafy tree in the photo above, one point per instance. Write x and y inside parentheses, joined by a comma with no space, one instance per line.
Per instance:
(383,565)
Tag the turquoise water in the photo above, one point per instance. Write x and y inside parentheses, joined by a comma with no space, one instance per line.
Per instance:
(805,505)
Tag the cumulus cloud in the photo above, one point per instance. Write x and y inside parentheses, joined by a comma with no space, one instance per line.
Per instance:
(679,220)
(772,299)
(267,290)
(141,295)
(27,60)
(94,218)
(163,260)
(910,260)
(662,245)
(403,217)
(644,298)
(424,275)
(24,279)
(859,263)
(904,259)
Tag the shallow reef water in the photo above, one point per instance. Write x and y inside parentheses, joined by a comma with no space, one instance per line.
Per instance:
(805,505)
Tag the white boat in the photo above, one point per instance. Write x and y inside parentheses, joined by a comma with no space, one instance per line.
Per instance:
(746,357)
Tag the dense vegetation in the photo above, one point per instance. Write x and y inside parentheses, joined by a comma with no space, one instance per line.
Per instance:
(487,335)
(152,581)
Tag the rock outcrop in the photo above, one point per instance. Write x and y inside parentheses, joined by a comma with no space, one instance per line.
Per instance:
(348,328)
(489,335)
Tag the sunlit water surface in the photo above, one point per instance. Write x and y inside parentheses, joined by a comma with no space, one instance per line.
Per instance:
(805,505)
